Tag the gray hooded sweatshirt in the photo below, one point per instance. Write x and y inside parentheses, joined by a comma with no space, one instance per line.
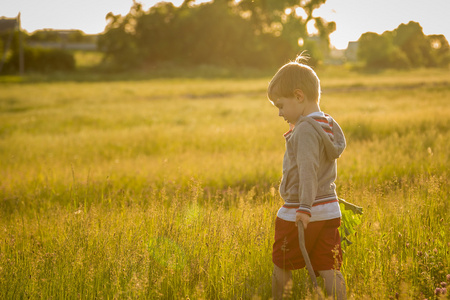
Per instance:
(309,164)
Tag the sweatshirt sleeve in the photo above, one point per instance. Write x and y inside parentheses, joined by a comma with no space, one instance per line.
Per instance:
(307,149)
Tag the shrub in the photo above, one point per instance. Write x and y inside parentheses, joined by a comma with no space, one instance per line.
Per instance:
(42,60)
(398,59)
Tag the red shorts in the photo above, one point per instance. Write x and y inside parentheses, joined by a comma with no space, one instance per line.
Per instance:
(322,242)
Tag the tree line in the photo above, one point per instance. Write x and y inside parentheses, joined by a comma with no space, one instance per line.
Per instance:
(404,47)
(248,33)
(254,33)
(37,58)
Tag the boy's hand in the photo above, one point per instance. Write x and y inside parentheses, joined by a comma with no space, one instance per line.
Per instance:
(301,217)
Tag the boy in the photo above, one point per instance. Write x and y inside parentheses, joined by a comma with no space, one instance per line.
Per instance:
(313,144)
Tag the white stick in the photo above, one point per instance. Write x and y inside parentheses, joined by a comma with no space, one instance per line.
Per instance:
(301,241)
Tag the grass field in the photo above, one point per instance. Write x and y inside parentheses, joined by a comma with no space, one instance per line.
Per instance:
(167,188)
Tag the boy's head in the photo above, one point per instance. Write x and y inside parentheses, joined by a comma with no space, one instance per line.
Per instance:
(294,76)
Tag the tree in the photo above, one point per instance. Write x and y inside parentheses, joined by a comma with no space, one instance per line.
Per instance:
(406,46)
(440,50)
(45,35)
(375,49)
(412,41)
(221,32)
(280,18)
(118,42)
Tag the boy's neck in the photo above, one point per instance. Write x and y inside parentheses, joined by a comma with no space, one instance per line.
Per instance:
(310,108)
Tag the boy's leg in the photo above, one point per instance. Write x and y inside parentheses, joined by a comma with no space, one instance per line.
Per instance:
(334,284)
(281,282)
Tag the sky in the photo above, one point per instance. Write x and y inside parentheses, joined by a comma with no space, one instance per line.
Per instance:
(352,17)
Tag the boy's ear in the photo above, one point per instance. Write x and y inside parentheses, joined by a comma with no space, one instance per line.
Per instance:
(299,95)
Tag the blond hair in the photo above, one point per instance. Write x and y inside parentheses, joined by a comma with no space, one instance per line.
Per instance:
(294,75)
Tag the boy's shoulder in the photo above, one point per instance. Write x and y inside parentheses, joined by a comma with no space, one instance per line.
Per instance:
(305,125)
(305,130)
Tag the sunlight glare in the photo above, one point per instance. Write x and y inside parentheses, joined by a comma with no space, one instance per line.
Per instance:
(300,11)
(436,45)
(311,27)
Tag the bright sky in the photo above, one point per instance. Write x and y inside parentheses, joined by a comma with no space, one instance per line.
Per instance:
(352,17)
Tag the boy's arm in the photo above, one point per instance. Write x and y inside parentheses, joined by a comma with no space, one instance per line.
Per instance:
(307,149)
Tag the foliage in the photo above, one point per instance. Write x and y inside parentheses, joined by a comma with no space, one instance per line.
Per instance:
(51,35)
(440,50)
(220,32)
(9,42)
(118,42)
(403,48)
(45,35)
(167,188)
(37,58)
(349,224)
(42,60)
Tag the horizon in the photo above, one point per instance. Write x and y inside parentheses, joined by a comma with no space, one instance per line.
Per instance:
(352,17)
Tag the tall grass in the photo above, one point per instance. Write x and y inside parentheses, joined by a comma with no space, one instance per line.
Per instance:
(167,188)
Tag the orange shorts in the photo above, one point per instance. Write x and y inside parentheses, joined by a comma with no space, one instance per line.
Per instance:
(322,242)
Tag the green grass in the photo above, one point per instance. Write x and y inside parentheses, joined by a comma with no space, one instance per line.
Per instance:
(166,188)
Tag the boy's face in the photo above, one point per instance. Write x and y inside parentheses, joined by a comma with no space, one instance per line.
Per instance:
(289,108)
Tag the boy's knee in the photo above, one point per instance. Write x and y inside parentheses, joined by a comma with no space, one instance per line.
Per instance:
(334,283)
(331,274)
(333,277)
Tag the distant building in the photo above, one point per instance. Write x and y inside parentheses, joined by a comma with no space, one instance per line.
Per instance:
(8,24)
(335,57)
(11,25)
(351,54)
(65,39)
(64,45)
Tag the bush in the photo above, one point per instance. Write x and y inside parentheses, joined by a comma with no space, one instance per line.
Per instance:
(398,59)
(42,60)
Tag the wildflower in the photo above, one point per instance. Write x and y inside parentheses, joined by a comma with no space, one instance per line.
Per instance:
(444,284)
(448,277)
(284,245)
(437,291)
(444,291)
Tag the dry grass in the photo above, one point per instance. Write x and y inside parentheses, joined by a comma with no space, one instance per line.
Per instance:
(167,188)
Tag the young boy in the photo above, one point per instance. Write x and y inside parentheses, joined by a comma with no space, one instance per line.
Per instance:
(313,144)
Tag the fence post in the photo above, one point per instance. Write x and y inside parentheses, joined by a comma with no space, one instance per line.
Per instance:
(21,59)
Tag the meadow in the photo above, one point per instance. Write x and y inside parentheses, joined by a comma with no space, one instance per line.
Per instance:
(167,188)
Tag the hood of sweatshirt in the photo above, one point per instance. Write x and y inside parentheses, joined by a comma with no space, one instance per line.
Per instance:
(330,131)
